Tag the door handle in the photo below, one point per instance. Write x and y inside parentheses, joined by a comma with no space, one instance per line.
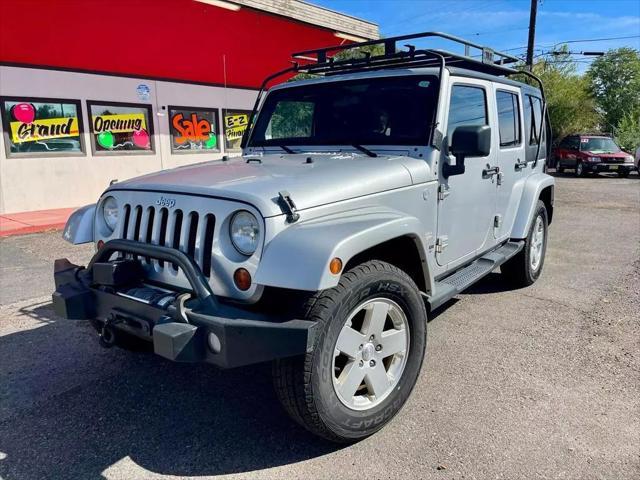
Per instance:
(520,165)
(490,171)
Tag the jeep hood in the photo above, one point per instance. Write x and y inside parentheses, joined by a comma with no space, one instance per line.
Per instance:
(311,179)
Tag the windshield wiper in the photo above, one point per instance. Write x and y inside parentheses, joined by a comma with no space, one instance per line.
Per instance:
(366,151)
(286,149)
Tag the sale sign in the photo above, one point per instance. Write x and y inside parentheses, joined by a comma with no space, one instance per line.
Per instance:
(191,128)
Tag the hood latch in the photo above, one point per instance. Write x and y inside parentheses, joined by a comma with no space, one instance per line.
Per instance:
(288,206)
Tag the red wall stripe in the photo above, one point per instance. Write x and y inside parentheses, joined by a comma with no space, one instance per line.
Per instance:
(177,39)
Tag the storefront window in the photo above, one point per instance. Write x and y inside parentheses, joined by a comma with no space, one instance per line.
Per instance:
(40,127)
(121,127)
(235,123)
(194,130)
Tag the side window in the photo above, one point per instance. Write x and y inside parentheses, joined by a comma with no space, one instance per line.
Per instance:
(291,119)
(468,106)
(508,118)
(535,105)
(120,128)
(574,143)
(41,127)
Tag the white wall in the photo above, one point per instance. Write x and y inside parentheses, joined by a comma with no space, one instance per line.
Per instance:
(57,182)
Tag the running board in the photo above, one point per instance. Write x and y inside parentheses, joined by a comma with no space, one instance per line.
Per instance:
(448,287)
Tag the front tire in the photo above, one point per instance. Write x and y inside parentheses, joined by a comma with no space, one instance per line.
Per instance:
(525,267)
(580,172)
(366,357)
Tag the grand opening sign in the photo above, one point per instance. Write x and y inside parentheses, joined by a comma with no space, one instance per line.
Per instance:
(44,129)
(119,123)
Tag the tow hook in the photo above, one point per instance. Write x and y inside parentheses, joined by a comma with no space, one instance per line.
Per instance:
(107,337)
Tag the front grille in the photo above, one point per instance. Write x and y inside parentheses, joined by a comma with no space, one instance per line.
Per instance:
(611,160)
(191,232)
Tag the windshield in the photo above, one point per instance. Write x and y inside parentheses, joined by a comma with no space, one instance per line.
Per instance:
(600,145)
(371,111)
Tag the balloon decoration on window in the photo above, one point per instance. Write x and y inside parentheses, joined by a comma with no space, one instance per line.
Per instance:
(105,139)
(211,142)
(24,112)
(141,138)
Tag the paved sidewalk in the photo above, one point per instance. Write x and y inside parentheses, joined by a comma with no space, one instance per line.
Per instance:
(32,222)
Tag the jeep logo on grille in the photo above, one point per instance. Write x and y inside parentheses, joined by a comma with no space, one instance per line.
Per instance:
(166,202)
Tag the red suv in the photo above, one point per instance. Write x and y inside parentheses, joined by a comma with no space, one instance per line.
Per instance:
(592,153)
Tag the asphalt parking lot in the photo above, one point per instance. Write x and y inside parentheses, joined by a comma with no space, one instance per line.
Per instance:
(536,383)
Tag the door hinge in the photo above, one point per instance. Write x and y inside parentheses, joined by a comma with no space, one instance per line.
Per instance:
(497,221)
(443,191)
(441,244)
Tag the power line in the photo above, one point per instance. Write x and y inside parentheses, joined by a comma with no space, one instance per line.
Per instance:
(572,41)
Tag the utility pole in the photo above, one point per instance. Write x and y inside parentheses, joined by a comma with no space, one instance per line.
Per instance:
(532,33)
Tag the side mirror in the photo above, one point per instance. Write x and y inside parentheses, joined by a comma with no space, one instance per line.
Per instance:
(467,141)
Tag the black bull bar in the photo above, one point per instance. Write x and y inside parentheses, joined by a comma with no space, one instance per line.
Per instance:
(195,327)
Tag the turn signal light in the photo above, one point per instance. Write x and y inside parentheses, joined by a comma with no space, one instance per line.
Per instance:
(335,266)
(242,279)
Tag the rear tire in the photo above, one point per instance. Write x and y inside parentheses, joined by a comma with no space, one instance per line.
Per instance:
(624,173)
(351,384)
(524,268)
(560,169)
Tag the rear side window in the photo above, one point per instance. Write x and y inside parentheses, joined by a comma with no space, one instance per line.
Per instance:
(533,118)
(508,118)
(468,107)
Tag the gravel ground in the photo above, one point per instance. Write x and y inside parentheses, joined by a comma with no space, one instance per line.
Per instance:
(517,384)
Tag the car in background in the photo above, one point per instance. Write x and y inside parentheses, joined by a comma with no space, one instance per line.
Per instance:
(638,159)
(592,153)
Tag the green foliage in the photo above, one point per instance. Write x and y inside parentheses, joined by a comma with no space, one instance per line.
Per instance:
(628,131)
(571,106)
(291,120)
(354,53)
(614,80)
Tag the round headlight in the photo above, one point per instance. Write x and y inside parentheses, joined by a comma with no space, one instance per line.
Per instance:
(110,212)
(244,232)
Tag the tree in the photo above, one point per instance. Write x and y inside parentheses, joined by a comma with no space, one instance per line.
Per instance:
(628,132)
(569,102)
(354,53)
(614,80)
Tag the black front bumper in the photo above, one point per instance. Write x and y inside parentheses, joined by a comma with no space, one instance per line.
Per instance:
(609,167)
(194,327)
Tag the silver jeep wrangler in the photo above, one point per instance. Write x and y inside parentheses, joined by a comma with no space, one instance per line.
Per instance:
(364,199)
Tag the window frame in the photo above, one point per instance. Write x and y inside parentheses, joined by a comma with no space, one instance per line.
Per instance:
(518,142)
(224,133)
(467,85)
(111,153)
(216,112)
(6,132)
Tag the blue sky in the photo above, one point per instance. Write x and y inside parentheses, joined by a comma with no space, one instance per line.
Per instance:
(502,24)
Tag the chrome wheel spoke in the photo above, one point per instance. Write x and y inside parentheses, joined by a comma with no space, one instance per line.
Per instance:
(377,380)
(349,341)
(375,318)
(392,342)
(350,379)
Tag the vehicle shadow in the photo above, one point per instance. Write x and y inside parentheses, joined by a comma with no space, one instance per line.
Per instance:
(70,409)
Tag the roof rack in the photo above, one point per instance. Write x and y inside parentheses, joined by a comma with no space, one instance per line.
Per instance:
(322,61)
(475,57)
